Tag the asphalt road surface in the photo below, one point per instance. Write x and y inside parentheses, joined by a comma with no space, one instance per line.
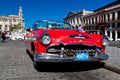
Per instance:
(16,64)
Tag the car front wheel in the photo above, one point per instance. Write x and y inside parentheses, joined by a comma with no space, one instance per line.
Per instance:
(35,64)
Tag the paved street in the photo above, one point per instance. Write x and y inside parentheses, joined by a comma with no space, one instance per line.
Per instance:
(15,64)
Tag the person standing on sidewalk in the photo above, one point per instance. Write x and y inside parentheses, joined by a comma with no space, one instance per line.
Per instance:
(80,28)
(29,29)
(3,36)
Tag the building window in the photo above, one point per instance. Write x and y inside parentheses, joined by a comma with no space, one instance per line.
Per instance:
(92,20)
(113,16)
(118,15)
(87,21)
(5,27)
(95,19)
(102,18)
(0,27)
(14,20)
(108,16)
(118,25)
(84,21)
(10,20)
(113,25)
(108,26)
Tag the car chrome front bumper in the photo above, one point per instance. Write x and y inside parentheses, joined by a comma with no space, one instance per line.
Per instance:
(58,58)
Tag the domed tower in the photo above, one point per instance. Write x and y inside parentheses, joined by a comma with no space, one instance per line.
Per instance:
(20,14)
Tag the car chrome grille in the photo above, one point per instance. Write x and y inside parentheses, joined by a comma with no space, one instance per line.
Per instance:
(71,49)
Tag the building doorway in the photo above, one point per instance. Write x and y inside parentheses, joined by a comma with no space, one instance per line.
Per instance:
(102,31)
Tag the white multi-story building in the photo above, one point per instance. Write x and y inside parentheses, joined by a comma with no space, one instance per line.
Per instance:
(105,20)
(7,22)
(76,18)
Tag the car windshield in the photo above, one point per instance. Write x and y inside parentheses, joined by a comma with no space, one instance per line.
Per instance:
(51,24)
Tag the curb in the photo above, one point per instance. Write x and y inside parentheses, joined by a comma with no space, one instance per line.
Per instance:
(111,67)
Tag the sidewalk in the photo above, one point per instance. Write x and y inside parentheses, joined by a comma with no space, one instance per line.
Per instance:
(113,50)
(114,43)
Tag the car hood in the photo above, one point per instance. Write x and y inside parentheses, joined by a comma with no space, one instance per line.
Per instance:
(73,37)
(67,36)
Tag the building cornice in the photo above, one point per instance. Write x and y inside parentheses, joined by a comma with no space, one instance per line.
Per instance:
(103,11)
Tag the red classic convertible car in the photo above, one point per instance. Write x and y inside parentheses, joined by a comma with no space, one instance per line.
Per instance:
(53,41)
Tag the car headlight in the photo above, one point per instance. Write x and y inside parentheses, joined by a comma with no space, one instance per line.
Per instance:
(105,42)
(45,39)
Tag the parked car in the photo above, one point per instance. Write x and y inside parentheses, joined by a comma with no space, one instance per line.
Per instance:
(54,41)
(17,35)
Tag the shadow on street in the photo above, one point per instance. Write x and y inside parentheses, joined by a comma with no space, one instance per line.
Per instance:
(69,67)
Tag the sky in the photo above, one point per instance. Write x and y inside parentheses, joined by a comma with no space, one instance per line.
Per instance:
(34,10)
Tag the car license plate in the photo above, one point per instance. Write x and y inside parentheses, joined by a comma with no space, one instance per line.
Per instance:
(82,56)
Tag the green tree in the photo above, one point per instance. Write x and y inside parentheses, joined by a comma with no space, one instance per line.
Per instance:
(15,27)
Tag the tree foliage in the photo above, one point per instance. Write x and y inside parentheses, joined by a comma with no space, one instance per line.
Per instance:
(15,27)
